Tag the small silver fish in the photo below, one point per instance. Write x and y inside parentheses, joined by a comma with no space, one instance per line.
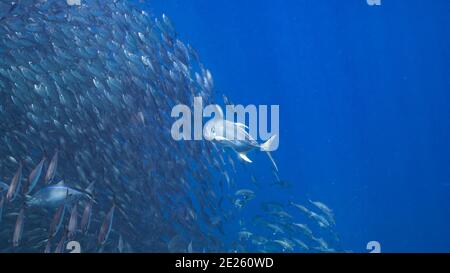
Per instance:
(34,176)
(73,2)
(73,223)
(120,244)
(18,230)
(189,248)
(86,218)
(51,170)
(57,220)
(2,203)
(106,227)
(48,246)
(326,210)
(60,246)
(15,185)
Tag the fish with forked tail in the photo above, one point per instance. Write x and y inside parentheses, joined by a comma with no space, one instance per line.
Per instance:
(55,195)
(235,135)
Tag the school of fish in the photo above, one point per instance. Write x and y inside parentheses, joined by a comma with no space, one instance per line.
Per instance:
(86,154)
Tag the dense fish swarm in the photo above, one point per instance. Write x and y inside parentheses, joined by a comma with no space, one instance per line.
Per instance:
(92,87)
(86,155)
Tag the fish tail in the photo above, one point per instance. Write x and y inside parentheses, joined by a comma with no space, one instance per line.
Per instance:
(273,162)
(270,145)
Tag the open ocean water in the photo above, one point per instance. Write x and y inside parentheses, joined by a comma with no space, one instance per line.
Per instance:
(87,158)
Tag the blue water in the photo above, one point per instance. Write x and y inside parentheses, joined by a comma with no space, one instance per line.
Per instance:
(364,97)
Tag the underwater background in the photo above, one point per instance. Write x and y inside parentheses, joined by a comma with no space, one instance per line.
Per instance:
(364,95)
(87,89)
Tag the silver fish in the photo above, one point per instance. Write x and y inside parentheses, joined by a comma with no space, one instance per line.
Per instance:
(325,209)
(55,195)
(2,203)
(48,246)
(86,218)
(18,230)
(106,226)
(57,221)
(189,248)
(120,244)
(51,170)
(61,244)
(15,185)
(73,223)
(235,135)
(286,244)
(34,176)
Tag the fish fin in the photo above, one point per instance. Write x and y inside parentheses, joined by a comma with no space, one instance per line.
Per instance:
(244,157)
(90,197)
(90,188)
(269,145)
(218,110)
(273,162)
(241,125)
